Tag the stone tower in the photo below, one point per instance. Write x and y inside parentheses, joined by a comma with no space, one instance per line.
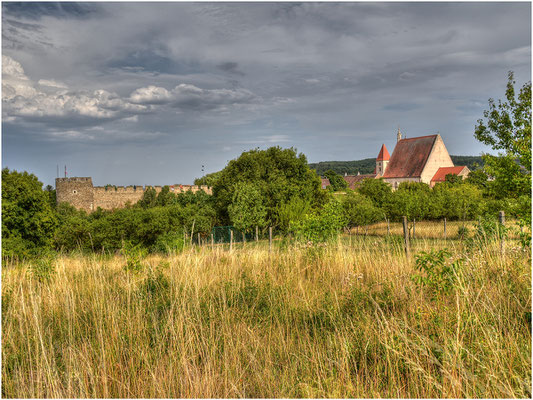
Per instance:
(382,160)
(398,135)
(76,191)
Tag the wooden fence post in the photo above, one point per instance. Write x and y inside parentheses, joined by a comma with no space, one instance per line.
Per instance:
(243,238)
(406,236)
(444,228)
(212,242)
(414,228)
(388,227)
(269,238)
(230,240)
(256,233)
(502,237)
(199,242)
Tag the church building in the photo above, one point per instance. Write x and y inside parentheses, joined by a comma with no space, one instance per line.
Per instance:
(420,159)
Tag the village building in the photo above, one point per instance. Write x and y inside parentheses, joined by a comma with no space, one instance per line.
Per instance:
(419,159)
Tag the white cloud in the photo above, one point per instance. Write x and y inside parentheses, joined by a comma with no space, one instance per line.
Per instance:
(52,83)
(186,96)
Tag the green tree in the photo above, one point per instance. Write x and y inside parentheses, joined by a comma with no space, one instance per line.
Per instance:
(359,210)
(336,181)
(508,128)
(149,198)
(376,190)
(323,225)
(293,212)
(28,221)
(247,209)
(279,175)
(208,180)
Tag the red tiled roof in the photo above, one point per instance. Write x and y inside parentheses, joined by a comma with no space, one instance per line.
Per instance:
(409,157)
(324,183)
(352,180)
(440,175)
(383,154)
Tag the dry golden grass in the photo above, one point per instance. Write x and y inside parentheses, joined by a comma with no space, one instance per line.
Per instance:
(431,229)
(337,321)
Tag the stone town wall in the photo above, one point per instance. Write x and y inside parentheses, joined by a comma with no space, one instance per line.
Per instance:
(75,191)
(81,193)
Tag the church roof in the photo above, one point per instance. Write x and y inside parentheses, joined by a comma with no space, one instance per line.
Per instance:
(409,157)
(352,180)
(324,183)
(383,154)
(440,175)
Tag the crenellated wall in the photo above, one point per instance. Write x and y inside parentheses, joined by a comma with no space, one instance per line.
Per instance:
(81,193)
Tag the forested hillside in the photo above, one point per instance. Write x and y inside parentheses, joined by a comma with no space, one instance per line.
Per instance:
(367,165)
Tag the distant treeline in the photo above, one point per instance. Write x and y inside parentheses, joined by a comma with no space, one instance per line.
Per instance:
(367,165)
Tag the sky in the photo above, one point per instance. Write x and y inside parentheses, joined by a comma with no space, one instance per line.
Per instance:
(162,93)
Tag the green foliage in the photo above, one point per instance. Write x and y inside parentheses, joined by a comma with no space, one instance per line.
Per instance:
(438,271)
(43,268)
(247,209)
(336,181)
(279,174)
(135,255)
(28,220)
(412,200)
(453,179)
(292,213)
(508,125)
(489,229)
(508,128)
(359,210)
(462,232)
(324,225)
(170,242)
(377,190)
(149,198)
(208,180)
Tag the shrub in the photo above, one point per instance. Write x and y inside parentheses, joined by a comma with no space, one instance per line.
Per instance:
(438,271)
(134,257)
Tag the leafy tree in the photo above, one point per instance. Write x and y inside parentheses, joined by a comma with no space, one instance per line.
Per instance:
(478,177)
(149,198)
(508,128)
(323,225)
(360,210)
(247,209)
(28,221)
(279,175)
(453,179)
(508,125)
(208,180)
(336,181)
(410,200)
(293,212)
(376,190)
(165,197)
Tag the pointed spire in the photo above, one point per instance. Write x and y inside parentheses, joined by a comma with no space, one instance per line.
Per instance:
(399,135)
(383,154)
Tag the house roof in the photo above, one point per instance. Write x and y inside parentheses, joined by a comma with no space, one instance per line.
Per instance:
(383,154)
(409,157)
(440,175)
(324,182)
(352,180)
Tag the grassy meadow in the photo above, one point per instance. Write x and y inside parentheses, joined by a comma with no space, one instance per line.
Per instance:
(342,320)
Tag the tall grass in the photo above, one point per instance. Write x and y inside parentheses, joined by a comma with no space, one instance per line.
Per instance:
(334,321)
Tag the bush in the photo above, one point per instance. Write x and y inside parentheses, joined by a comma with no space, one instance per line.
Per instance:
(323,226)
(438,271)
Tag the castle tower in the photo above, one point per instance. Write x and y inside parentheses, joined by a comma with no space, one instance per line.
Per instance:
(382,160)
(75,191)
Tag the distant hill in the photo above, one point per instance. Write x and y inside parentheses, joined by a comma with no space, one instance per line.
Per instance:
(367,165)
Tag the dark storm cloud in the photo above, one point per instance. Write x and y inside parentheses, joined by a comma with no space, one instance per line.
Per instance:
(37,10)
(171,85)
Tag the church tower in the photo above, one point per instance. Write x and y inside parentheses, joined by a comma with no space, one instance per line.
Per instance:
(382,161)
(398,136)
